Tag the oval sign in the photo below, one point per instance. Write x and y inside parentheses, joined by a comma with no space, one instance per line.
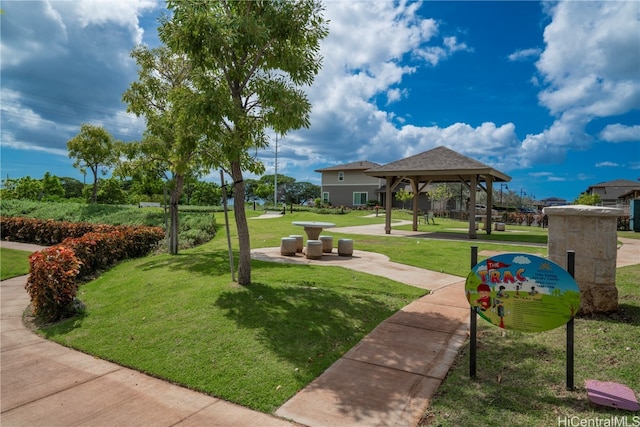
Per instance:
(522,292)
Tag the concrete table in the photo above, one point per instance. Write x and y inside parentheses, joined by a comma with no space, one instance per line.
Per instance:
(313,228)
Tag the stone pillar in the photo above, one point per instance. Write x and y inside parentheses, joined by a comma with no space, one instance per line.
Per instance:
(590,231)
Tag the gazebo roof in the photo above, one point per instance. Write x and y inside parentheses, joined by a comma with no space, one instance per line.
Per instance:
(440,164)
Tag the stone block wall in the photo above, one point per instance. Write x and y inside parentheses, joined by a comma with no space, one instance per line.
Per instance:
(590,231)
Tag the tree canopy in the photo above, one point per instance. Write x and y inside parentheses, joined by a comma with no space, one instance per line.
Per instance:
(92,149)
(170,146)
(253,57)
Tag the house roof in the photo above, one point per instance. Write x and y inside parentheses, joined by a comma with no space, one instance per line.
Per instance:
(439,164)
(360,165)
(616,183)
(632,193)
(615,189)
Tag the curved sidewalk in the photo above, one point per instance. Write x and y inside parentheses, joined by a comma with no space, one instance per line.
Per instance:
(46,384)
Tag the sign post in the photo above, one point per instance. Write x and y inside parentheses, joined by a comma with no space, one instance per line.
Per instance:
(522,292)
(473,324)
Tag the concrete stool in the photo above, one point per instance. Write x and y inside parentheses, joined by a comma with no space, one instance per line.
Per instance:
(314,249)
(499,226)
(299,242)
(327,244)
(287,246)
(345,247)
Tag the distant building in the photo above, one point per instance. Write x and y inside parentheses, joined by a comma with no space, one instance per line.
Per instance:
(347,184)
(553,201)
(614,193)
(633,194)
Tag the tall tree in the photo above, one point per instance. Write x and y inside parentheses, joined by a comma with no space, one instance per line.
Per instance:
(51,186)
(72,187)
(439,195)
(92,149)
(28,188)
(403,195)
(169,147)
(255,56)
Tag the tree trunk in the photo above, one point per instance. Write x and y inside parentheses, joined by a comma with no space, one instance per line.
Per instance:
(94,195)
(174,199)
(244,245)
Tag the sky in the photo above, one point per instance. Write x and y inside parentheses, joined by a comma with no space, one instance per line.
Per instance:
(546,92)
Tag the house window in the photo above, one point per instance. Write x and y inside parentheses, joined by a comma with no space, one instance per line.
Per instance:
(340,176)
(359,199)
(325,197)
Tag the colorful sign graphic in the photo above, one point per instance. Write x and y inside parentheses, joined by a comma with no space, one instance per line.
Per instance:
(522,292)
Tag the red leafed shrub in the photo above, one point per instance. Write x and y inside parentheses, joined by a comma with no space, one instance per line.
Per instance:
(43,231)
(84,249)
(141,239)
(52,282)
(97,251)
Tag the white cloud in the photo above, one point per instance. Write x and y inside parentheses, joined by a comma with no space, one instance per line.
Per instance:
(524,54)
(589,69)
(488,143)
(541,174)
(394,95)
(435,54)
(607,165)
(9,142)
(371,47)
(620,133)
(592,57)
(119,12)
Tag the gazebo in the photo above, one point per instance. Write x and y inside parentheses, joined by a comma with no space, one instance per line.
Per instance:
(439,165)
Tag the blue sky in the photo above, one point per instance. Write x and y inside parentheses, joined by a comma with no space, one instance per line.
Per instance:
(546,92)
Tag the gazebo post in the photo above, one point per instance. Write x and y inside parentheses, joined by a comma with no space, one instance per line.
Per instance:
(416,198)
(489,179)
(472,206)
(388,204)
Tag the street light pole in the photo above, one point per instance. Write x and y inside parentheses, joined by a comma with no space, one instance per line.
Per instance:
(505,186)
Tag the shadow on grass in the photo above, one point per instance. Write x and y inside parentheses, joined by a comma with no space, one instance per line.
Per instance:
(212,263)
(313,326)
(50,330)
(627,313)
(516,379)
(520,238)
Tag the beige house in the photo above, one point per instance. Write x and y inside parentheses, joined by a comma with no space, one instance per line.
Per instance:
(347,184)
(614,193)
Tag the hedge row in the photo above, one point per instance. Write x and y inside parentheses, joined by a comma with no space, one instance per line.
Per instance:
(83,249)
(47,231)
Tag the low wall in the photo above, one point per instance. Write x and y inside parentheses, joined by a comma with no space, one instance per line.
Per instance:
(590,231)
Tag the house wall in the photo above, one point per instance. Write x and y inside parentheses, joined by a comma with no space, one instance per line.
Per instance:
(355,181)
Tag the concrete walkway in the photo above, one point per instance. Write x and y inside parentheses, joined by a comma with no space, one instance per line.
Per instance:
(390,376)
(386,379)
(46,384)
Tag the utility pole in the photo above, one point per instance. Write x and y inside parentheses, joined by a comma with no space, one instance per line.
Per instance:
(275,177)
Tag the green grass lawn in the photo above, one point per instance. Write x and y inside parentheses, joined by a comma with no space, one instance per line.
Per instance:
(13,263)
(182,318)
(521,376)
